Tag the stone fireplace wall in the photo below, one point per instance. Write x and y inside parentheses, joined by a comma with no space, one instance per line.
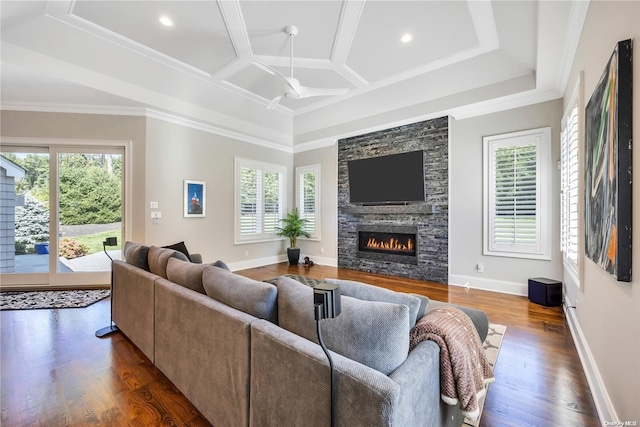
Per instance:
(431,219)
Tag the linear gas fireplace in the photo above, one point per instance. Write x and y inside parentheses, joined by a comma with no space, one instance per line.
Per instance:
(392,243)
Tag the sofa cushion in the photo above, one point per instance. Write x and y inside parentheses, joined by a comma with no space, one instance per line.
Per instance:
(180,247)
(367,292)
(158,258)
(373,333)
(136,255)
(186,274)
(242,293)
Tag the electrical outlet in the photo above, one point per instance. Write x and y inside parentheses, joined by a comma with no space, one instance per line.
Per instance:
(480,267)
(153,205)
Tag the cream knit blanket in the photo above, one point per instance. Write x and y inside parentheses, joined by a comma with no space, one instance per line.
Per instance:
(464,369)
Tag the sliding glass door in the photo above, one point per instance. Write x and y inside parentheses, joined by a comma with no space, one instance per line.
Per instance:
(60,204)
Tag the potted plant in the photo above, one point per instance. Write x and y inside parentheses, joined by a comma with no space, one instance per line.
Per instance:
(292,228)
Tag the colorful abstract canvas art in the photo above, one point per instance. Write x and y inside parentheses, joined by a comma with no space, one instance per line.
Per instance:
(608,167)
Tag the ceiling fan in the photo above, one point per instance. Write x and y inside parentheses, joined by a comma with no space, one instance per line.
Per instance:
(292,88)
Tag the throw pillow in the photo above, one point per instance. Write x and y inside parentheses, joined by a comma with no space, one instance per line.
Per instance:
(158,258)
(136,255)
(373,333)
(221,264)
(258,299)
(180,247)
(374,293)
(186,274)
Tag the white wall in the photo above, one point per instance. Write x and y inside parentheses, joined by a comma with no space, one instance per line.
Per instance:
(175,153)
(607,313)
(501,274)
(325,250)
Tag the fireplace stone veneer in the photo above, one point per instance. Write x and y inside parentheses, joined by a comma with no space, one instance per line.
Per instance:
(428,221)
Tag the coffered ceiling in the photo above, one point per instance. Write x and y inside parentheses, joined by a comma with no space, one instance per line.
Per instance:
(115,57)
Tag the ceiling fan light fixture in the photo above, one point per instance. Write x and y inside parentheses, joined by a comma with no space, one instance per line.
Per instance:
(166,21)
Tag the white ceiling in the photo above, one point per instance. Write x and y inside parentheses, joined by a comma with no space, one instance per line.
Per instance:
(466,58)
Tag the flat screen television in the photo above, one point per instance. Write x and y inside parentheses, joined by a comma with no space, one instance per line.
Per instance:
(393,179)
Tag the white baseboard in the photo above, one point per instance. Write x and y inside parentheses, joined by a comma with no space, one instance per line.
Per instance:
(329,262)
(257,262)
(513,288)
(604,405)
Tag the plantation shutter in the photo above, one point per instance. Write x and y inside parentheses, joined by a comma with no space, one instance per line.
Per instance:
(260,200)
(250,218)
(569,193)
(517,194)
(272,198)
(307,197)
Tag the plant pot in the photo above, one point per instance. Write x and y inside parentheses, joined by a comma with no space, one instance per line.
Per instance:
(294,255)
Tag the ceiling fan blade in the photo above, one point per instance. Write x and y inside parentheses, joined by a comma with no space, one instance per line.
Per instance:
(306,92)
(274,102)
(268,69)
(289,81)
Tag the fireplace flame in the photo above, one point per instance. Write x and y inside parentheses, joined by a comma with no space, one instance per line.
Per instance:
(392,244)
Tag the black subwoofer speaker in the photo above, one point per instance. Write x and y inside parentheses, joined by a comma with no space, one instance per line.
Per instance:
(545,292)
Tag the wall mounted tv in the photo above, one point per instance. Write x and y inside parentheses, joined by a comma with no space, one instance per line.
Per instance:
(392,179)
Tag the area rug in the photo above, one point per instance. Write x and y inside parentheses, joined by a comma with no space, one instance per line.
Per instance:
(302,279)
(491,345)
(50,299)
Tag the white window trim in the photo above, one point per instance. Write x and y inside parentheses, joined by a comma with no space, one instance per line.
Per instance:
(542,138)
(575,270)
(315,170)
(241,162)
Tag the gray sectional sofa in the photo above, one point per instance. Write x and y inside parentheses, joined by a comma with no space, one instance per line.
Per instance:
(245,353)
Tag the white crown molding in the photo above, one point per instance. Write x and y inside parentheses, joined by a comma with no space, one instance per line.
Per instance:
(73,109)
(143,112)
(509,102)
(170,118)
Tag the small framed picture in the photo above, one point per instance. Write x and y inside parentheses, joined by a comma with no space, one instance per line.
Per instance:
(195,202)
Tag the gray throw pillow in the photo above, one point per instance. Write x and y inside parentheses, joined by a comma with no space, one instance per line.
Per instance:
(258,299)
(221,264)
(158,258)
(186,274)
(373,333)
(136,255)
(374,293)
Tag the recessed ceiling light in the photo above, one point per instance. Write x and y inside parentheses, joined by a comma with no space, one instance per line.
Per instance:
(406,37)
(166,21)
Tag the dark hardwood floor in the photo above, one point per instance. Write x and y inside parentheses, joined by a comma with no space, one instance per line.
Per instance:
(55,372)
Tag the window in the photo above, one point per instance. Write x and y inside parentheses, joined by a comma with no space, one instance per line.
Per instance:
(570,181)
(517,194)
(260,200)
(308,197)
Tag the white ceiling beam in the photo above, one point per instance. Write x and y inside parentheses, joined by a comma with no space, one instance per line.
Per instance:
(484,22)
(347,27)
